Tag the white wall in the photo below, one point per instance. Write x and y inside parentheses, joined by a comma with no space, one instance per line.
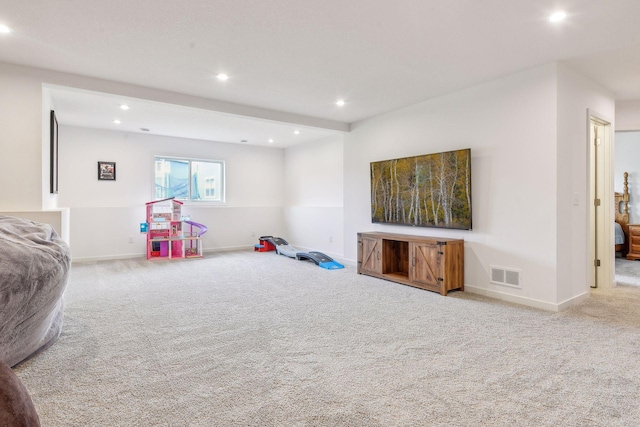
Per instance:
(577,95)
(510,126)
(314,196)
(21,141)
(627,153)
(105,214)
(627,159)
(528,138)
(24,170)
(628,115)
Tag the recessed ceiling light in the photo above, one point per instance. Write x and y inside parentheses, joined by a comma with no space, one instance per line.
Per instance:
(4,29)
(557,16)
(124,107)
(297,132)
(222,77)
(340,102)
(244,140)
(116,121)
(144,129)
(271,141)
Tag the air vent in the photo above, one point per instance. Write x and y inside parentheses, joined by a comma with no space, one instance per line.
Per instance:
(512,277)
(505,276)
(497,275)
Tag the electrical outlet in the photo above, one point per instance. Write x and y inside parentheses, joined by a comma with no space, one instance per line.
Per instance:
(130,239)
(253,234)
(330,239)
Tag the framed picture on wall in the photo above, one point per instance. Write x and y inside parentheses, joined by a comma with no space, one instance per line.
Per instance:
(53,153)
(107,171)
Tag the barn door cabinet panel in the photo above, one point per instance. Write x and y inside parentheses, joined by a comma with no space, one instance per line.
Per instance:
(369,255)
(432,263)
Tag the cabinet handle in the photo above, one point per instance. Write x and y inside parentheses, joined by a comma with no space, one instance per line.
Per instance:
(413,261)
(378,255)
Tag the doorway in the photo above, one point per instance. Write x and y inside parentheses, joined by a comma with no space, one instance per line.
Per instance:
(626,160)
(602,260)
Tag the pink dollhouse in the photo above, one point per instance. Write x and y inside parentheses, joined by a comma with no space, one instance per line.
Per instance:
(169,235)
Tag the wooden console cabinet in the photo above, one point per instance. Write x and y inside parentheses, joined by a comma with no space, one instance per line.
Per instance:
(432,263)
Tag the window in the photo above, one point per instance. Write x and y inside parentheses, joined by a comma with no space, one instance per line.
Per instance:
(189,179)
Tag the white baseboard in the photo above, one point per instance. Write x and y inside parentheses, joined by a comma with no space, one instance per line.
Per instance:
(226,249)
(105,258)
(573,301)
(543,305)
(143,255)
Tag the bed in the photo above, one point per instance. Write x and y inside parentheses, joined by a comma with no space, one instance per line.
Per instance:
(622,218)
(34,268)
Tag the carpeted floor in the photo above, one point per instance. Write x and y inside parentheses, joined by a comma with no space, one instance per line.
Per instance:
(255,339)
(627,272)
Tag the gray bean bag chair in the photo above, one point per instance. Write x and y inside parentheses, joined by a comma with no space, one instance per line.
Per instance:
(34,268)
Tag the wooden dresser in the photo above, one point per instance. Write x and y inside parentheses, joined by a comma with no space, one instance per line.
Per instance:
(634,241)
(432,263)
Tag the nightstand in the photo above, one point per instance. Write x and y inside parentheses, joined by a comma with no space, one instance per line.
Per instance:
(634,241)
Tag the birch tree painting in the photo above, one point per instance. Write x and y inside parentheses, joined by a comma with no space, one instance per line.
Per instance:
(427,191)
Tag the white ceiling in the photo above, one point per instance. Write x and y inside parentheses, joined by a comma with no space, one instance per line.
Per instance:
(300,56)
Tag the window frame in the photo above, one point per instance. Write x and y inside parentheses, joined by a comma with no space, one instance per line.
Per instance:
(190,160)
